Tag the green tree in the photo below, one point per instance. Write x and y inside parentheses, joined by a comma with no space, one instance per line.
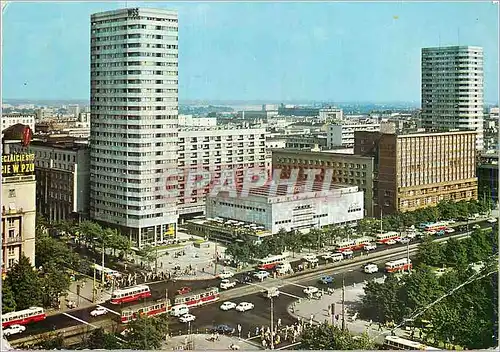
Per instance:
(430,252)
(147,254)
(100,339)
(8,301)
(52,342)
(25,284)
(50,250)
(147,333)
(329,337)
(55,283)
(293,242)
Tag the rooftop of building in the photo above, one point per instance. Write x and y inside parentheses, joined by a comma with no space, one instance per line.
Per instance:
(406,134)
(218,128)
(304,189)
(340,151)
(61,142)
(452,48)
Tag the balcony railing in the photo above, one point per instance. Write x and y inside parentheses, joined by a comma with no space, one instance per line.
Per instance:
(15,239)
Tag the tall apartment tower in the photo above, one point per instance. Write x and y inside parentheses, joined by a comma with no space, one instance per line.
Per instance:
(452,89)
(134,122)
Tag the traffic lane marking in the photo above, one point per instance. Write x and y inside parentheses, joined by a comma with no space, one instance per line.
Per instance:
(109,310)
(80,320)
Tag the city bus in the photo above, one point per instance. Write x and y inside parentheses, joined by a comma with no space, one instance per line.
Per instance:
(398,343)
(198,298)
(354,245)
(436,226)
(149,309)
(271,262)
(23,317)
(130,294)
(383,238)
(398,265)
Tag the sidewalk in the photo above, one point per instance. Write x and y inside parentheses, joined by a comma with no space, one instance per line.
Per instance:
(200,342)
(85,298)
(318,310)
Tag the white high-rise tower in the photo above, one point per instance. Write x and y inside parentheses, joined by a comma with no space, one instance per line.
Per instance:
(134,123)
(452,89)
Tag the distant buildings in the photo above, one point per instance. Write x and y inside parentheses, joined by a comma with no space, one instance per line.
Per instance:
(134,131)
(190,121)
(418,170)
(452,89)
(330,115)
(343,135)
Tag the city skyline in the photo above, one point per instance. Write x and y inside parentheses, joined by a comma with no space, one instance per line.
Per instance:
(380,63)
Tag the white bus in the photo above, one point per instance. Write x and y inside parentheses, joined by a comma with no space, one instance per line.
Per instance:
(398,343)
(398,265)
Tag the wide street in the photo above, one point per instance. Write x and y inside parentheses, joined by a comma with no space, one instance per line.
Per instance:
(210,315)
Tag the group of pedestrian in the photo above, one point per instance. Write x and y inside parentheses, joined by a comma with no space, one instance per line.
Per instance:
(281,333)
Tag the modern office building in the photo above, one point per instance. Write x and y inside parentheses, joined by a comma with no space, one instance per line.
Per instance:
(452,89)
(419,170)
(18,199)
(487,174)
(291,207)
(62,170)
(134,124)
(340,169)
(206,153)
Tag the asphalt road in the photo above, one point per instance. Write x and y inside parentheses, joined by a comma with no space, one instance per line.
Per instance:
(211,315)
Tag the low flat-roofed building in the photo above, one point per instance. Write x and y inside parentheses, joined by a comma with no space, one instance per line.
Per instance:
(345,169)
(289,206)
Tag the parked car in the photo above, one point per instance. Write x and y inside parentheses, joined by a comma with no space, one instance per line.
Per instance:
(348,253)
(186,318)
(222,329)
(449,230)
(228,305)
(391,242)
(325,279)
(261,275)
(310,258)
(311,290)
(98,311)
(14,329)
(244,306)
(184,290)
(226,274)
(225,284)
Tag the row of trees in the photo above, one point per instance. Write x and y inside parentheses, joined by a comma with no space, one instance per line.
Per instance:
(145,333)
(246,251)
(466,316)
(330,337)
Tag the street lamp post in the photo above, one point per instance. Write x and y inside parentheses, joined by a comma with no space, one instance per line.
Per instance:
(102,269)
(343,303)
(272,323)
(93,285)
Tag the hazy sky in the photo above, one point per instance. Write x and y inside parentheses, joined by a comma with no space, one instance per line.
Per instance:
(257,51)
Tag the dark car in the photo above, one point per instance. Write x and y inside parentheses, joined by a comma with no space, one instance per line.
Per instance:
(222,329)
(246,279)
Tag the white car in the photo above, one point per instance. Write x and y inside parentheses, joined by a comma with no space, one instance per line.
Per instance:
(311,258)
(244,306)
(311,290)
(226,274)
(99,311)
(476,227)
(370,268)
(225,284)
(492,220)
(391,242)
(261,275)
(370,247)
(411,235)
(228,305)
(14,329)
(326,256)
(186,318)
(449,230)
(404,240)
